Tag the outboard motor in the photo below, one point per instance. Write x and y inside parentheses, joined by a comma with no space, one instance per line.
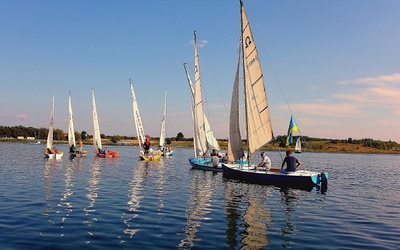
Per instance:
(322,182)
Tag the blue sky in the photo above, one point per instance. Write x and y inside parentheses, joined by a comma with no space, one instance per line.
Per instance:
(337,63)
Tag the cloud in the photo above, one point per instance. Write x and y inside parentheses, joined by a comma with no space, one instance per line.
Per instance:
(379,80)
(200,43)
(21,116)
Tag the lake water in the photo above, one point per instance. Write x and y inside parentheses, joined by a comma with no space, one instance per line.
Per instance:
(93,203)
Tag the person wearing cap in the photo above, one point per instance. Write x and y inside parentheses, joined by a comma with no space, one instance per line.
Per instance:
(265,162)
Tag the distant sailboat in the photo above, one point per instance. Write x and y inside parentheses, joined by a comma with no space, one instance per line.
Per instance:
(166,150)
(152,155)
(204,140)
(258,122)
(71,133)
(297,148)
(50,152)
(98,147)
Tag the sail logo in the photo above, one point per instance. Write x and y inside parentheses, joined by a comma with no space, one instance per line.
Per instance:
(247,41)
(252,61)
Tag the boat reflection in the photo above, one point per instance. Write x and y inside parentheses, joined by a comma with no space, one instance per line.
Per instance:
(135,195)
(49,168)
(202,189)
(57,214)
(93,187)
(246,215)
(290,199)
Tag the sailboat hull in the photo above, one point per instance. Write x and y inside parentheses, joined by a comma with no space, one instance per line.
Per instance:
(152,156)
(57,156)
(299,178)
(109,154)
(78,154)
(204,164)
(169,153)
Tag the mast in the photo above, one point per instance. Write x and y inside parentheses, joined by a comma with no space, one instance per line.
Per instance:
(244,81)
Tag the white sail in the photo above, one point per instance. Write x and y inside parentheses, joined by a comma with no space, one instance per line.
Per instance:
(198,100)
(163,121)
(196,146)
(96,129)
(259,126)
(297,148)
(203,138)
(49,143)
(71,130)
(136,116)
(235,146)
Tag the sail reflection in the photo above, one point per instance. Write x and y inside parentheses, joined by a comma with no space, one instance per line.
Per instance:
(93,187)
(63,208)
(64,204)
(203,186)
(289,198)
(49,168)
(247,217)
(135,195)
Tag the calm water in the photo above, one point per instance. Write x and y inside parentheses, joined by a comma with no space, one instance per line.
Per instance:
(123,203)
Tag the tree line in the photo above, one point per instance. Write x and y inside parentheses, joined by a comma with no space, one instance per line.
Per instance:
(14,132)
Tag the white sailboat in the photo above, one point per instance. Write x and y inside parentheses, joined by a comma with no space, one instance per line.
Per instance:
(98,147)
(166,150)
(51,152)
(152,155)
(73,152)
(297,147)
(258,121)
(203,138)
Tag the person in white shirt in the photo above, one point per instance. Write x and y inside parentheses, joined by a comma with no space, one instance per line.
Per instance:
(265,162)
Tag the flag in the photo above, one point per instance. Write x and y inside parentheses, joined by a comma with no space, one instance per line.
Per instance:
(292,128)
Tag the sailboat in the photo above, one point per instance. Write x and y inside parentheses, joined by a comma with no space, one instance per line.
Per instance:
(50,152)
(98,147)
(297,147)
(166,150)
(71,133)
(152,155)
(204,140)
(258,122)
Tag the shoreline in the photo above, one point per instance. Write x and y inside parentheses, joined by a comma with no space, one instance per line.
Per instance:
(314,147)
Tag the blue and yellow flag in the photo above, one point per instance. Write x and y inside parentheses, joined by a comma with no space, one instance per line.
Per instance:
(292,128)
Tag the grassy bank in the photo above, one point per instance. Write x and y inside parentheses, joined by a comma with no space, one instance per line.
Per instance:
(311,146)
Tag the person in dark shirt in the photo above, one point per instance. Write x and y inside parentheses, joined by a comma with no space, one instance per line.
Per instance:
(146,146)
(291,162)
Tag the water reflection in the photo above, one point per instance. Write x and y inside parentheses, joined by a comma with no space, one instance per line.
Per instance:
(160,188)
(246,215)
(64,204)
(49,167)
(93,187)
(64,207)
(202,189)
(289,198)
(135,195)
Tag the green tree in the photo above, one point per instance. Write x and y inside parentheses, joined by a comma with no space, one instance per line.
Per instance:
(84,135)
(180,136)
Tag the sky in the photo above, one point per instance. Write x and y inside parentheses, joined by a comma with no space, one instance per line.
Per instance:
(334,65)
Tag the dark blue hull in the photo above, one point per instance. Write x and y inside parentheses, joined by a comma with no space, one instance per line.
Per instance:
(300,179)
